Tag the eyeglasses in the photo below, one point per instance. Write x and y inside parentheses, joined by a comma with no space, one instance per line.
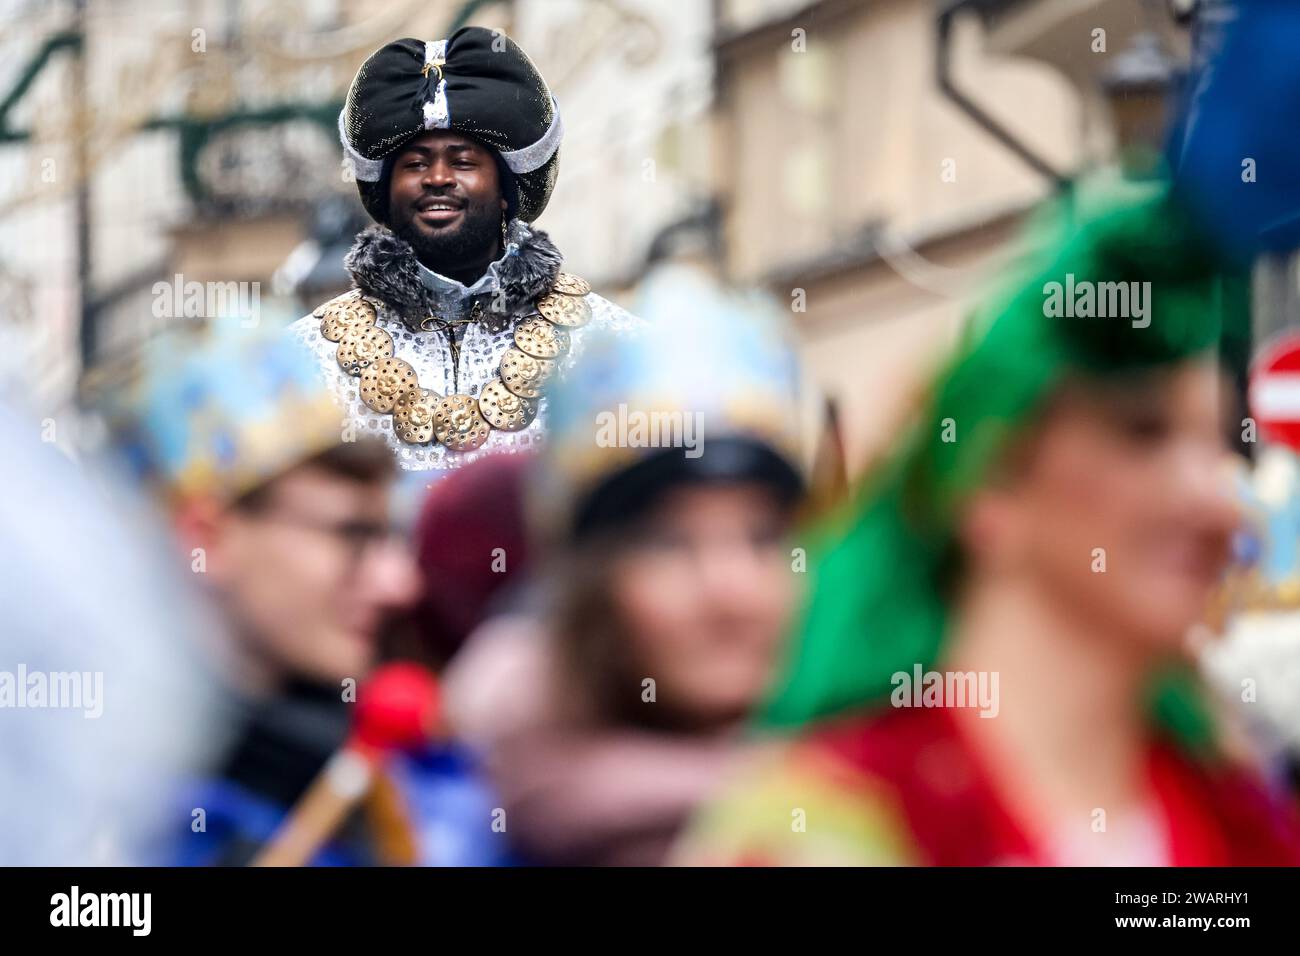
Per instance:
(356,536)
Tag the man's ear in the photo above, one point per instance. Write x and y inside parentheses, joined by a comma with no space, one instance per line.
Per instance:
(200,525)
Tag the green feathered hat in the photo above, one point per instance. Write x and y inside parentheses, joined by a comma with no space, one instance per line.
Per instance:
(881,569)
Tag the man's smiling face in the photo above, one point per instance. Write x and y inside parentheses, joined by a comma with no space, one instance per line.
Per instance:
(445,199)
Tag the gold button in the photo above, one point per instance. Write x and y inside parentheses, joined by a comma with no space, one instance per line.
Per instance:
(458,423)
(383,383)
(541,339)
(570,284)
(504,409)
(337,302)
(523,374)
(342,318)
(413,414)
(568,310)
(361,347)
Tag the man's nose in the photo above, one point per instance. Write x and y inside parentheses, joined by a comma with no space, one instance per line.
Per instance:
(731,572)
(438,174)
(1204,487)
(391,578)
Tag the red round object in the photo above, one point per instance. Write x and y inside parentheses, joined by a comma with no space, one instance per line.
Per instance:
(398,707)
(1274,392)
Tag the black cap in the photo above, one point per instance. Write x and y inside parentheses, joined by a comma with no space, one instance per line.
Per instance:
(628,495)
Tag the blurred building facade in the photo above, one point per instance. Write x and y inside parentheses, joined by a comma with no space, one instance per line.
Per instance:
(854,185)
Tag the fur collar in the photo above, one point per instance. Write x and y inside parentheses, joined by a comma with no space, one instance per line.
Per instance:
(384,266)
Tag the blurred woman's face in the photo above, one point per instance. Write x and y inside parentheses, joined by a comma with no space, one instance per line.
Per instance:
(704,596)
(1119,508)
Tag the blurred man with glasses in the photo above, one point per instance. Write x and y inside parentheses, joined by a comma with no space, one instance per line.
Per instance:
(282,515)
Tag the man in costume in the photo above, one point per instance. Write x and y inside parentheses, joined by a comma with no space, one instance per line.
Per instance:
(1054,520)
(460,313)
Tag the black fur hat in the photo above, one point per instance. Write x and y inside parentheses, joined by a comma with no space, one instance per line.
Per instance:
(478,82)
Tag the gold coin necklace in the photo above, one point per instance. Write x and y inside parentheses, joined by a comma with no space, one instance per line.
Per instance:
(391,386)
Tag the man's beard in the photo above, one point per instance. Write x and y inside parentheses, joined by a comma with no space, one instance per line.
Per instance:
(446,252)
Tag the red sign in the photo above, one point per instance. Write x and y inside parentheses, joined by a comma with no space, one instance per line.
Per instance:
(1275,392)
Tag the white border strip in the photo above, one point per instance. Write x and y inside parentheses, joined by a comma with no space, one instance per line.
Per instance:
(1276,395)
(366,170)
(436,115)
(536,156)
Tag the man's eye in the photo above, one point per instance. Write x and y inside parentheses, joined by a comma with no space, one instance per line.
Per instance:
(1147,429)
(663,541)
(766,536)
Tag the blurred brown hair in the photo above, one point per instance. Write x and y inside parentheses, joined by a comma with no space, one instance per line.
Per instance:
(366,461)
(596,671)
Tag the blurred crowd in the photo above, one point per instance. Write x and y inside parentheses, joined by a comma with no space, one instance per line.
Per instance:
(640,655)
(1031,635)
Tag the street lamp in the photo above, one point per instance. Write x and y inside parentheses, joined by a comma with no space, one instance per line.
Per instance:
(1183,11)
(1137,86)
